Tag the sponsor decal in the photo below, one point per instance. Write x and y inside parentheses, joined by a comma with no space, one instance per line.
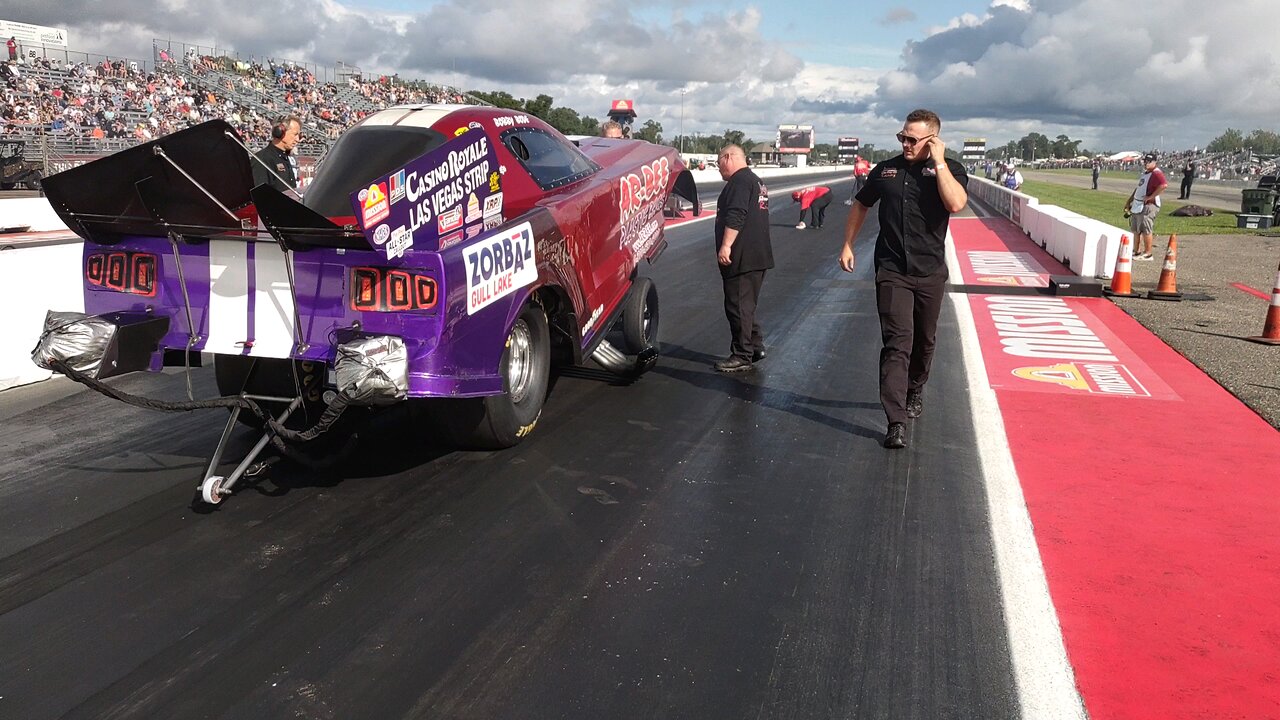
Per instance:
(510,121)
(450,220)
(591,321)
(401,240)
(397,187)
(1104,378)
(889,173)
(381,233)
(450,240)
(763,200)
(460,131)
(492,222)
(494,180)
(1001,267)
(473,208)
(474,230)
(1076,350)
(555,253)
(493,204)
(428,195)
(375,207)
(474,125)
(929,171)
(640,188)
(499,265)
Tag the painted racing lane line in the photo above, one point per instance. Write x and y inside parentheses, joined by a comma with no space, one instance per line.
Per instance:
(1250,290)
(1045,681)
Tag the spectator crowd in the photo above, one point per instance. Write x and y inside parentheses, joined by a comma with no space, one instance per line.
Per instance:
(93,106)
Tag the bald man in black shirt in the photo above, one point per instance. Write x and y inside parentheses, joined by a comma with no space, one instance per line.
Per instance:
(917,191)
(744,251)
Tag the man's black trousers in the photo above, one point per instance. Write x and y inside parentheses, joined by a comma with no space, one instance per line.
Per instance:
(1186,189)
(909,307)
(819,209)
(741,293)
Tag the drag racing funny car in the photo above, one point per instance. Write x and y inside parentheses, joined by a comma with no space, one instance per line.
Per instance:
(449,255)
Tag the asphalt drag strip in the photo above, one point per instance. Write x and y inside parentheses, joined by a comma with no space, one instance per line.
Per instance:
(688,545)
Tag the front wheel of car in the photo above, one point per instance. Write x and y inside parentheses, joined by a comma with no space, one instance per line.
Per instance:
(501,421)
(640,317)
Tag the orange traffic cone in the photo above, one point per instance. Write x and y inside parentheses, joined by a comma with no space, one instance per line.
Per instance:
(1122,281)
(1271,330)
(1167,289)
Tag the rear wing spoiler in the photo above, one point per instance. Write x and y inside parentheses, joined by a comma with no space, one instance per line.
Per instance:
(192,182)
(196,182)
(298,227)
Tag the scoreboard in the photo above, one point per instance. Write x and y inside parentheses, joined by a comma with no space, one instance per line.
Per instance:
(974,149)
(846,149)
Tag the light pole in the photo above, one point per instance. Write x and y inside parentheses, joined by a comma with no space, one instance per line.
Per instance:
(682,121)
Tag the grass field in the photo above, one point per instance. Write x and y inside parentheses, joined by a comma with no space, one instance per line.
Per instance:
(1125,175)
(1109,208)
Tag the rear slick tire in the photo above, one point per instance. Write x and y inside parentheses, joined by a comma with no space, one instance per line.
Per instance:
(502,421)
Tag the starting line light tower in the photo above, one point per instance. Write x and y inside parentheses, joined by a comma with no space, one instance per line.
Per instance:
(623,112)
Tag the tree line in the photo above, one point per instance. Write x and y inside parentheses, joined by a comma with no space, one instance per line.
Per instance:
(1263,142)
(1037,146)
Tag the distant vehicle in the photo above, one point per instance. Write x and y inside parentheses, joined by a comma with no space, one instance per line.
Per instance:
(17,173)
(447,252)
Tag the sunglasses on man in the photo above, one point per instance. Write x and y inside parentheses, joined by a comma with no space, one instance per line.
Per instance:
(910,141)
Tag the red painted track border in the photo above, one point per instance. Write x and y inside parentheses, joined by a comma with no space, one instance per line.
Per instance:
(1157,517)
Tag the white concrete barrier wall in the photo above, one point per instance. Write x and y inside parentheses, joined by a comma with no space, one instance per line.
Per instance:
(34,278)
(1087,246)
(33,211)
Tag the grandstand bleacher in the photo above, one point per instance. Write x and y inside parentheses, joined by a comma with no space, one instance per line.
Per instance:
(78,106)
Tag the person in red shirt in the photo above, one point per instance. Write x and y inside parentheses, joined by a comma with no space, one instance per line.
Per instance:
(12,44)
(861,169)
(815,198)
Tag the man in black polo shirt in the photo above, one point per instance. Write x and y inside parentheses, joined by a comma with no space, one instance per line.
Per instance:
(918,190)
(276,165)
(744,252)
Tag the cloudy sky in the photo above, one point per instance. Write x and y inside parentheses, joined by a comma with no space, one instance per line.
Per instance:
(1170,74)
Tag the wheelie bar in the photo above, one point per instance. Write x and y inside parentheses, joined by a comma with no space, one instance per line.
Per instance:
(215,488)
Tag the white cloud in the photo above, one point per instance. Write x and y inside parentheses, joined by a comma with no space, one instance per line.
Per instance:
(1176,70)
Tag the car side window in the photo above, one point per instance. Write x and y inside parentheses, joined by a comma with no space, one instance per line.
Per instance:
(550,160)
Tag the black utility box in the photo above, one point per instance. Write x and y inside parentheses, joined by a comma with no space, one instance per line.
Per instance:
(1075,286)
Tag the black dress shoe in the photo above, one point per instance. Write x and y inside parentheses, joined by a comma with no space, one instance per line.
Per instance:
(896,438)
(915,403)
(733,363)
(758,355)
